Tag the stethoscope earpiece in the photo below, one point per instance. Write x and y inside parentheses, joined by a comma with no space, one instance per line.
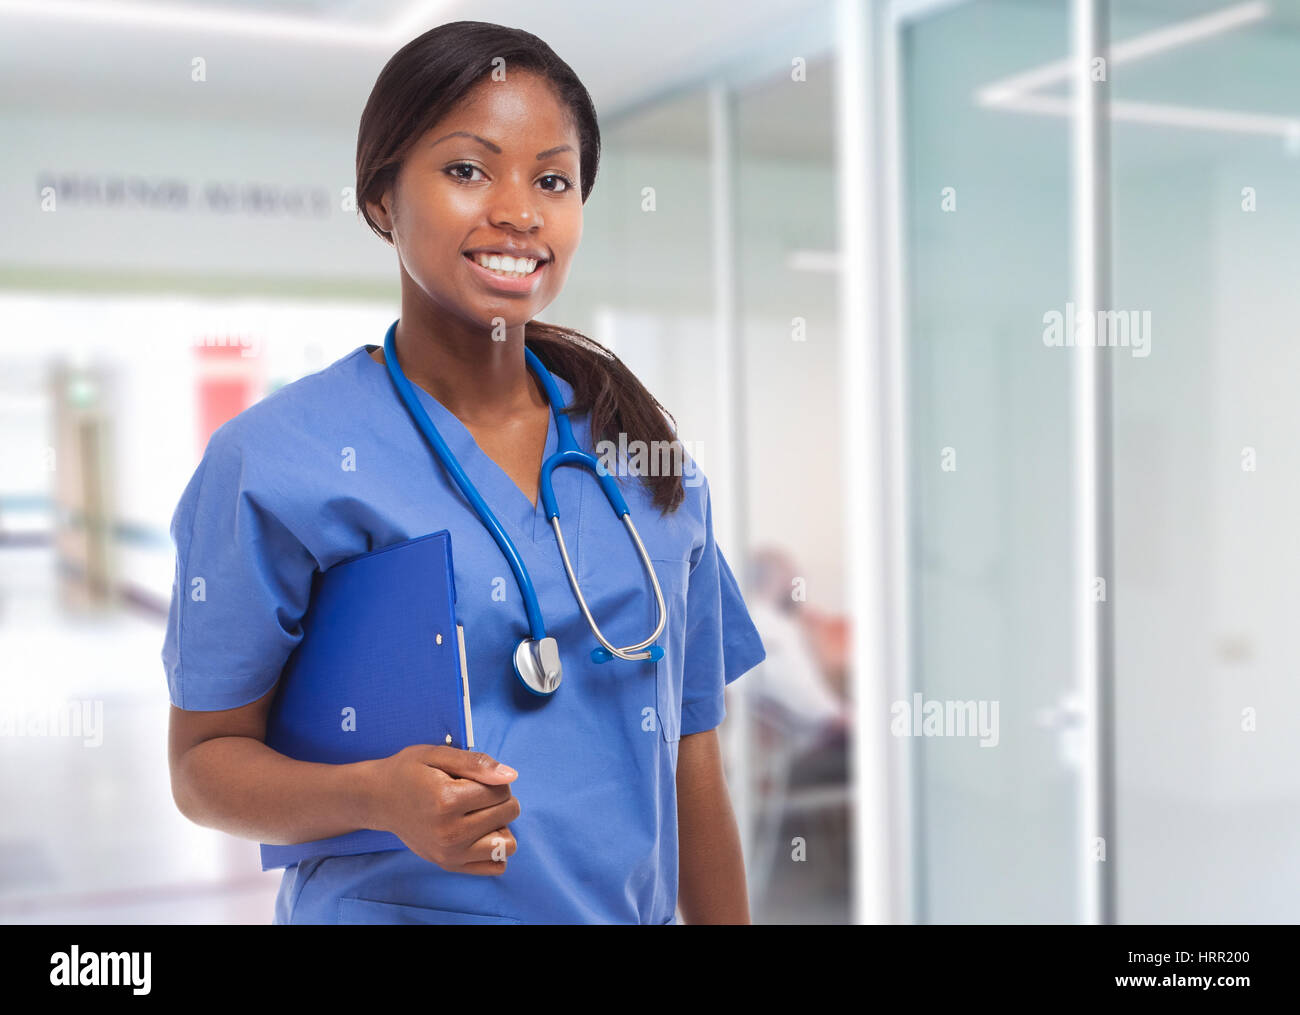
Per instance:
(599,655)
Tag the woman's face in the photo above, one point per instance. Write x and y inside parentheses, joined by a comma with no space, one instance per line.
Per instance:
(500,173)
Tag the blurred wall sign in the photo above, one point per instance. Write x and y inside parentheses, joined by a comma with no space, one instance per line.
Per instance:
(116,190)
(229,378)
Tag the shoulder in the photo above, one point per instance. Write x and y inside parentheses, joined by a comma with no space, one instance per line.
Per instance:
(295,414)
(265,454)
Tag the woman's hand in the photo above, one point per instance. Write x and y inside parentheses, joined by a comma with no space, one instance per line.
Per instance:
(449,806)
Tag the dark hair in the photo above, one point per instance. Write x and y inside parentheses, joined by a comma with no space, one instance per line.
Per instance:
(422,83)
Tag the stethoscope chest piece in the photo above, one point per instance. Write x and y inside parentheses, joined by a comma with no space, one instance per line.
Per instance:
(537,665)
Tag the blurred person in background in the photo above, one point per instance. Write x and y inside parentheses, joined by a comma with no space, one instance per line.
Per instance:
(798,691)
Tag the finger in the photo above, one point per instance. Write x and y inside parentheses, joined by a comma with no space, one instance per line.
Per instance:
(475,765)
(483,867)
(474,828)
(467,796)
(496,846)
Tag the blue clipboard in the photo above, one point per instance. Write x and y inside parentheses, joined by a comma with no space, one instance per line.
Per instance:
(381,666)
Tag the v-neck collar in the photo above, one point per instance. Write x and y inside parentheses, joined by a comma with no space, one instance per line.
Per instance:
(503,496)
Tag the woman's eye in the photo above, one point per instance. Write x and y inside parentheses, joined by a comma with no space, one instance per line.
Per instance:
(463,165)
(568,184)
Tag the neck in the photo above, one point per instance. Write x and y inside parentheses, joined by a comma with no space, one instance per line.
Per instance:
(478,380)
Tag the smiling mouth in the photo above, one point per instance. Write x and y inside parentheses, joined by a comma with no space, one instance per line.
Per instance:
(507,267)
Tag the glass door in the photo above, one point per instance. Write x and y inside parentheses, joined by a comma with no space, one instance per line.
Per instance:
(993,721)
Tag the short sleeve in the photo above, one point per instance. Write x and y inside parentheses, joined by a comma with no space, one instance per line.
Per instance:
(241,588)
(721,642)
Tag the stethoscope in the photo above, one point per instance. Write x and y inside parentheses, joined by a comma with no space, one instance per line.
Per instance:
(537,659)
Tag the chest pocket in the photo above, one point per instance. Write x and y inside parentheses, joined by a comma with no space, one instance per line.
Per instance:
(673,579)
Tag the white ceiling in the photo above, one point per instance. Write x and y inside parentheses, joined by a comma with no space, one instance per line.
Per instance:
(360,11)
(315,61)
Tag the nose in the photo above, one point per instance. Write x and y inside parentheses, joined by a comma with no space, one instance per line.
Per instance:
(515,204)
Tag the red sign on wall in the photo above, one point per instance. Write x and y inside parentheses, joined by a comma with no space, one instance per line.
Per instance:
(229,380)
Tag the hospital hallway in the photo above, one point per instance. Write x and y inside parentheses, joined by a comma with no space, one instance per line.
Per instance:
(974,322)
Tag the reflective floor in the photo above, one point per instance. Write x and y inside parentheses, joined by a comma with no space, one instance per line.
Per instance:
(91,834)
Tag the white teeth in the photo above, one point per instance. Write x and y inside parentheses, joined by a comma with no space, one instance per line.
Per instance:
(504,264)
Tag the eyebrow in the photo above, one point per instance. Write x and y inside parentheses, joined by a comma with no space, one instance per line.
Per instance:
(496,148)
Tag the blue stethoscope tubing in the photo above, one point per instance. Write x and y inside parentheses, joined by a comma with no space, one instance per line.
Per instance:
(536,659)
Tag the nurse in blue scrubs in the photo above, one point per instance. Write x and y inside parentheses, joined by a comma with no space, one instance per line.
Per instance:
(612,807)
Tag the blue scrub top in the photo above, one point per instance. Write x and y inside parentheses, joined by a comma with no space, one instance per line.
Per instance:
(331,466)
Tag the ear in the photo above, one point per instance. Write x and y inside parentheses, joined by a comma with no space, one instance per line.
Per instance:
(379,211)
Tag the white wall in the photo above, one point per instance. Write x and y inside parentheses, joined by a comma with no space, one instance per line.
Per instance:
(196,239)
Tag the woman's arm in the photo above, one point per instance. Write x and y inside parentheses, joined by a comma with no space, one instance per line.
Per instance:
(711,867)
(449,806)
(224,777)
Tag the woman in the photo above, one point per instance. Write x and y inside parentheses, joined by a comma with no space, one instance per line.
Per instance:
(611,805)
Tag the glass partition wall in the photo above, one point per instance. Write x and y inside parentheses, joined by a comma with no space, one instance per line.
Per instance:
(1202,121)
